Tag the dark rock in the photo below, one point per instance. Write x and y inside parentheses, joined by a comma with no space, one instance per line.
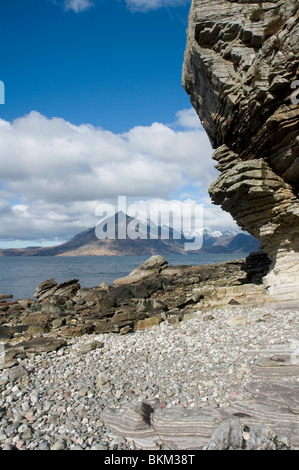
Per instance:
(256,266)
(104,326)
(5,333)
(121,293)
(126,318)
(139,291)
(151,285)
(72,331)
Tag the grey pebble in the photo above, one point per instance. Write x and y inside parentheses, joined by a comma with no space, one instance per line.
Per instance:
(196,364)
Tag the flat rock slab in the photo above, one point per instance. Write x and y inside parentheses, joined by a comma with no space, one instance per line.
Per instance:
(35,346)
(176,428)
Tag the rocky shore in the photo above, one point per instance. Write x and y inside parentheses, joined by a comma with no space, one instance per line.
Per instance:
(151,294)
(171,357)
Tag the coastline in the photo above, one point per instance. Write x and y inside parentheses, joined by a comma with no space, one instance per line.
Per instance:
(188,343)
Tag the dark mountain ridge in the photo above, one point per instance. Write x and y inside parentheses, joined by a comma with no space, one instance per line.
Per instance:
(87,243)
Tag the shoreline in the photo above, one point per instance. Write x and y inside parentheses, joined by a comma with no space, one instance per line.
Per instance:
(186,343)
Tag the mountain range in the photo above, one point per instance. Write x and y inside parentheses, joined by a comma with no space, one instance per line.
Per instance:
(87,242)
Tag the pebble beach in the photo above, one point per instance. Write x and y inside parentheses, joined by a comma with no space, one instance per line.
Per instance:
(54,401)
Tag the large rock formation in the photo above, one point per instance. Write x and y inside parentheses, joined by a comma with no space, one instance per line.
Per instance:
(240,69)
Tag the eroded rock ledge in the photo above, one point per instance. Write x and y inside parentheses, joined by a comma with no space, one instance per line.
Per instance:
(240,61)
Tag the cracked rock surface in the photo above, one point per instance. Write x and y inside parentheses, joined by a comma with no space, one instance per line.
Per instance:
(241,65)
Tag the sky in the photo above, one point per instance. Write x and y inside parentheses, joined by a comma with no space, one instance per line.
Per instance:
(95,109)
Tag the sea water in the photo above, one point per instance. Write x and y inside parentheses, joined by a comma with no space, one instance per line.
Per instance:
(20,276)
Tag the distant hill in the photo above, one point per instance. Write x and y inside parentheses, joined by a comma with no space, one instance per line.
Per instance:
(87,244)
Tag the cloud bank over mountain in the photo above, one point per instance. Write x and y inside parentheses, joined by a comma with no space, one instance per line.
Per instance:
(55,173)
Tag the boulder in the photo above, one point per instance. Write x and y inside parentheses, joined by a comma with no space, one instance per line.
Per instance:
(44,289)
(149,268)
(50,288)
(147,323)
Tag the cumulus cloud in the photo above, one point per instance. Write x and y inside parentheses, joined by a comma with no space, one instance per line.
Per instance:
(55,173)
(188,118)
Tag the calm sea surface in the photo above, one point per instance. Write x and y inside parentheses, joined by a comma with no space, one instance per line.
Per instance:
(20,276)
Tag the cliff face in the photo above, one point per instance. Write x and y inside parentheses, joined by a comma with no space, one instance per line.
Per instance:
(241,62)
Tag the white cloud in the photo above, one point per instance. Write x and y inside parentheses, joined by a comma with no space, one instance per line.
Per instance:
(147,5)
(134,5)
(54,173)
(77,5)
(188,118)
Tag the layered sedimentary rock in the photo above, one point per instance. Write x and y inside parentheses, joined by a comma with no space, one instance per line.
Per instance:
(268,421)
(241,69)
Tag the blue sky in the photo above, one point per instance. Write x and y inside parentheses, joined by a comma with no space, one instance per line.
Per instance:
(94,108)
(107,65)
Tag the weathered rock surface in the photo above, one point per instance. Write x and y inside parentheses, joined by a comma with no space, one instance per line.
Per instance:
(152,293)
(149,268)
(36,345)
(268,421)
(51,288)
(240,61)
(230,372)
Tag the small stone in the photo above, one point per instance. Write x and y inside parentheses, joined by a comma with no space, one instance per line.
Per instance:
(34,397)
(235,321)
(147,323)
(23,428)
(59,445)
(99,447)
(208,317)
(43,445)
(86,348)
(125,330)
(103,382)
(17,372)
(9,447)
(117,443)
(58,322)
